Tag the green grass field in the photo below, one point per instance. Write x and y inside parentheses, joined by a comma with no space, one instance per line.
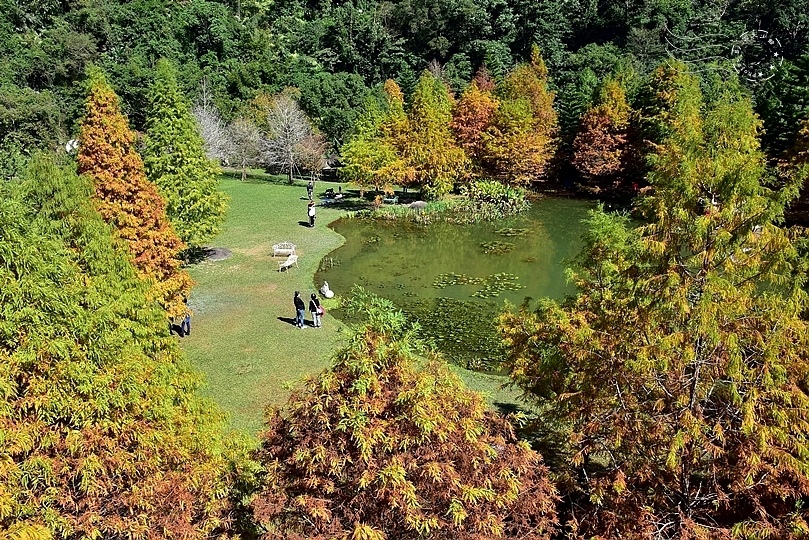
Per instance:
(241,338)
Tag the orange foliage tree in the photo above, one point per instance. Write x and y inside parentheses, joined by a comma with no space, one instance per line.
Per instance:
(473,116)
(374,448)
(601,148)
(126,199)
(678,373)
(522,139)
(102,432)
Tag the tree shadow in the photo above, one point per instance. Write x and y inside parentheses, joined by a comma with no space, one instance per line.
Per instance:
(508,408)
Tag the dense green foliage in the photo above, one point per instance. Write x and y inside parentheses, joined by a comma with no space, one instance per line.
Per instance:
(333,52)
(176,162)
(102,432)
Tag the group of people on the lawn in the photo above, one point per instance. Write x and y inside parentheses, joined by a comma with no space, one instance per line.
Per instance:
(315,309)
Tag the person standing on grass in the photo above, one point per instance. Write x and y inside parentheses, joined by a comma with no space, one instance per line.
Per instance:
(310,188)
(311,213)
(300,310)
(314,307)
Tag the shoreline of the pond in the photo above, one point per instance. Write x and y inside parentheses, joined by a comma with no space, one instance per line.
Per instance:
(452,303)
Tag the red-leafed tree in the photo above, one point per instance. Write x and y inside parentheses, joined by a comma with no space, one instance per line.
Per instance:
(126,199)
(472,116)
(601,150)
(375,448)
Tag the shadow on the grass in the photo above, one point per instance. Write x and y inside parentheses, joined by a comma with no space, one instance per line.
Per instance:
(288,320)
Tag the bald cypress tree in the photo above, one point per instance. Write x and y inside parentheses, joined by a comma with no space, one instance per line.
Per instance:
(678,372)
(376,448)
(175,160)
(103,435)
(126,199)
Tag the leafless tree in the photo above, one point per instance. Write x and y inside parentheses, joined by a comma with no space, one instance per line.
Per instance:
(290,136)
(214,133)
(312,154)
(212,128)
(245,144)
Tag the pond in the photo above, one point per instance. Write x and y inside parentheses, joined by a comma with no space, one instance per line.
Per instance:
(454,279)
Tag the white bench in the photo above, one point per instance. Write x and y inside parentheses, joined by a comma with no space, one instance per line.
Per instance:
(292,259)
(283,248)
(391,200)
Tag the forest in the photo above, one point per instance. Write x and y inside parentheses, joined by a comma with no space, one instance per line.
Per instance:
(668,398)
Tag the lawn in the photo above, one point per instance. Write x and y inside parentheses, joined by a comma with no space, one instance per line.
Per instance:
(241,336)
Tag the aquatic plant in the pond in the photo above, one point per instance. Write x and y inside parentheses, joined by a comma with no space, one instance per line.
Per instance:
(464,330)
(509,232)
(451,278)
(493,285)
(497,283)
(496,247)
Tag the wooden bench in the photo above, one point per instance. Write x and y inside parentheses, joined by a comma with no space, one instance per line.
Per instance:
(391,200)
(283,248)
(287,264)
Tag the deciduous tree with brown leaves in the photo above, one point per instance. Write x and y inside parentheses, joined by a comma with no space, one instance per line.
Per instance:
(601,149)
(125,197)
(376,448)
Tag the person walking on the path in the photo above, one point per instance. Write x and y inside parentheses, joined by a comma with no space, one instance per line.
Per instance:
(310,188)
(300,310)
(314,307)
(311,213)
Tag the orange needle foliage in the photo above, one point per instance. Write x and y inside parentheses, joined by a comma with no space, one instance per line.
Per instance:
(472,116)
(600,147)
(126,199)
(374,448)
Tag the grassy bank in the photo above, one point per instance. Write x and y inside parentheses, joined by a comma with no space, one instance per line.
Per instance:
(242,338)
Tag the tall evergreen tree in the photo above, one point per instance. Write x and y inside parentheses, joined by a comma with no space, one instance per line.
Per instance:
(126,199)
(103,434)
(679,369)
(376,448)
(175,159)
(429,145)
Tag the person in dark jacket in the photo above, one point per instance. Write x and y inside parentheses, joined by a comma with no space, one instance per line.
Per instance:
(314,307)
(300,310)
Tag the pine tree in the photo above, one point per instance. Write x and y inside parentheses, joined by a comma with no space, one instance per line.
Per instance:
(175,159)
(375,448)
(428,145)
(103,434)
(126,199)
(678,371)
